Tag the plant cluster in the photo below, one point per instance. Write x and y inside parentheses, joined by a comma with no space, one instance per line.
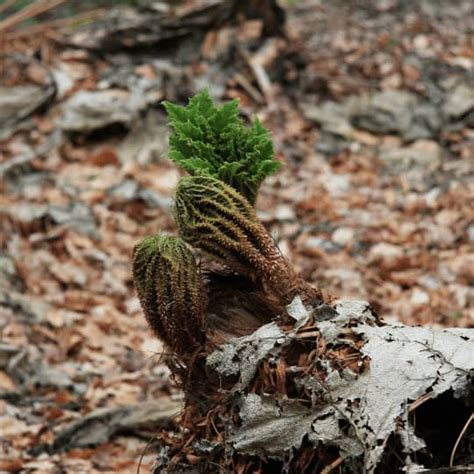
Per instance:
(214,212)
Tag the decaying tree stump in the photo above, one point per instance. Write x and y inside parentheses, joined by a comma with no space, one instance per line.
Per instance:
(334,386)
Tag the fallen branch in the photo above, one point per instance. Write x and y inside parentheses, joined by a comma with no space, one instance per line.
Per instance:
(56,24)
(104,424)
(35,9)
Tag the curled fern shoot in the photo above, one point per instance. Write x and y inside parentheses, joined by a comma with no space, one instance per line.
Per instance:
(170,292)
(214,217)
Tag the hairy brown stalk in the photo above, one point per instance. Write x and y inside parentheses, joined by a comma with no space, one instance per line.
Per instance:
(216,218)
(170,291)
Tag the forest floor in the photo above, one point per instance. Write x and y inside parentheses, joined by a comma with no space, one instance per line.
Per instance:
(371,108)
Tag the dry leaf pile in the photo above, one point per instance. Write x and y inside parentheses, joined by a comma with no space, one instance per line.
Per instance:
(371,109)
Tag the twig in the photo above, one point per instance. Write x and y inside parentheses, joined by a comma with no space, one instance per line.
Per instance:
(456,444)
(257,64)
(28,12)
(262,79)
(252,91)
(145,449)
(306,335)
(330,467)
(61,23)
(419,401)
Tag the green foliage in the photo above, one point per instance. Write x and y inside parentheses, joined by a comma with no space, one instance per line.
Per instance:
(214,141)
(169,289)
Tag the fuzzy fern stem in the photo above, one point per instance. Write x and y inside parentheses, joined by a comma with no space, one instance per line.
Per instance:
(170,291)
(216,218)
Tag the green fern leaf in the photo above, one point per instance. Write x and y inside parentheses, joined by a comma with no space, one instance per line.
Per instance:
(208,140)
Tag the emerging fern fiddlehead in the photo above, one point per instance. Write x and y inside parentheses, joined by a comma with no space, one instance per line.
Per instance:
(170,292)
(216,218)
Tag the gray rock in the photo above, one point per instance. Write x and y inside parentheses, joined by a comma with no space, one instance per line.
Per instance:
(332,117)
(330,144)
(419,163)
(87,111)
(426,121)
(18,103)
(396,112)
(459,101)
(385,112)
(77,216)
(129,190)
(147,142)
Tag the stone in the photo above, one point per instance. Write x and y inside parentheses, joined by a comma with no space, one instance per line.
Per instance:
(343,236)
(19,102)
(330,144)
(147,141)
(423,155)
(396,112)
(386,255)
(385,112)
(130,190)
(331,117)
(459,101)
(87,111)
